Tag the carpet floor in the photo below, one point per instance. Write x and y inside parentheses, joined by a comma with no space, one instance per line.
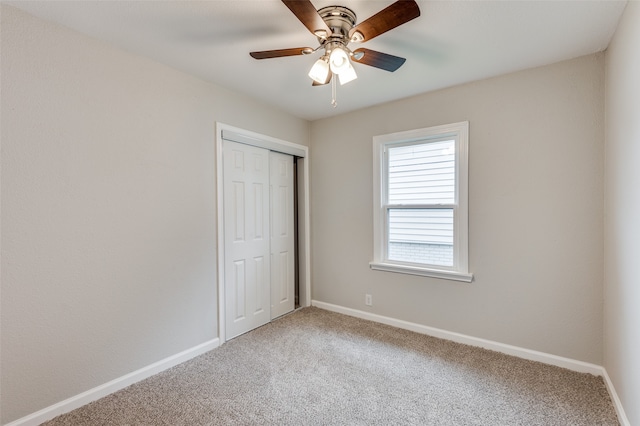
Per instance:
(315,367)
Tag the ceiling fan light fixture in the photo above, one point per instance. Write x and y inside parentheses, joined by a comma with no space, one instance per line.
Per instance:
(347,75)
(339,60)
(320,71)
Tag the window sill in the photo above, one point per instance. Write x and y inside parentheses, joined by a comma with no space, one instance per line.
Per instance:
(425,272)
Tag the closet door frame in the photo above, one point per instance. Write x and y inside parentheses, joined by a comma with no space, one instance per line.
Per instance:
(235,134)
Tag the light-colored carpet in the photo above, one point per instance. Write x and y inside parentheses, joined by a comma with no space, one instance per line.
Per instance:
(315,367)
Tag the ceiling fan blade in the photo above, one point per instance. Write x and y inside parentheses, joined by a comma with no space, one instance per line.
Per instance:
(378,59)
(387,19)
(315,83)
(306,12)
(266,54)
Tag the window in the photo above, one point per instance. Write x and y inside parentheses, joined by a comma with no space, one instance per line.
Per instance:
(420,202)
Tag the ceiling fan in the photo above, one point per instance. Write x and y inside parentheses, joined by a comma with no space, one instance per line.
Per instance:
(335,27)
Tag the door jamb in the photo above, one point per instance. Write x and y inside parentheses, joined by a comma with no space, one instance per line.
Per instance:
(304,241)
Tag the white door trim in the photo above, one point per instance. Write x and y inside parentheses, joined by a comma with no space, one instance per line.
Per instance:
(273,144)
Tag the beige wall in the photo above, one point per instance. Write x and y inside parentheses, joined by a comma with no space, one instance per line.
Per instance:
(622,212)
(535,209)
(108,210)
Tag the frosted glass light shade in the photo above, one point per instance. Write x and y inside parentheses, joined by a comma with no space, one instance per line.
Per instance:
(319,71)
(348,74)
(339,60)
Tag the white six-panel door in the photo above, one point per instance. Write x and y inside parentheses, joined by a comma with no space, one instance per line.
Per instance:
(246,240)
(282,235)
(258,269)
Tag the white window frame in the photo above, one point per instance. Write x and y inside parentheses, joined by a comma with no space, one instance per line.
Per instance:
(460,269)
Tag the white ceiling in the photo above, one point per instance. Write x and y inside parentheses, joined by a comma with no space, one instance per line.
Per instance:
(452,42)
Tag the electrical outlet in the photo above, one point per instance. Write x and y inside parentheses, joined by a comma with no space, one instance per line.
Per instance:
(368,300)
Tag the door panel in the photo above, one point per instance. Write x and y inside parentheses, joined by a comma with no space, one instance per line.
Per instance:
(246,239)
(282,235)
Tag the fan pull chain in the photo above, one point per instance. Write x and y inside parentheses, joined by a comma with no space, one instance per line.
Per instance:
(334,102)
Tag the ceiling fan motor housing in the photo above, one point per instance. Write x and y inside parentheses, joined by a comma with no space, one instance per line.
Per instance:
(340,20)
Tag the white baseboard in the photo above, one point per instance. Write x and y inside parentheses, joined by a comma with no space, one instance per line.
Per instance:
(113,386)
(568,363)
(622,416)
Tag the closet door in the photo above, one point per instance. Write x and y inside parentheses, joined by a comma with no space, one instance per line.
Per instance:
(282,235)
(246,240)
